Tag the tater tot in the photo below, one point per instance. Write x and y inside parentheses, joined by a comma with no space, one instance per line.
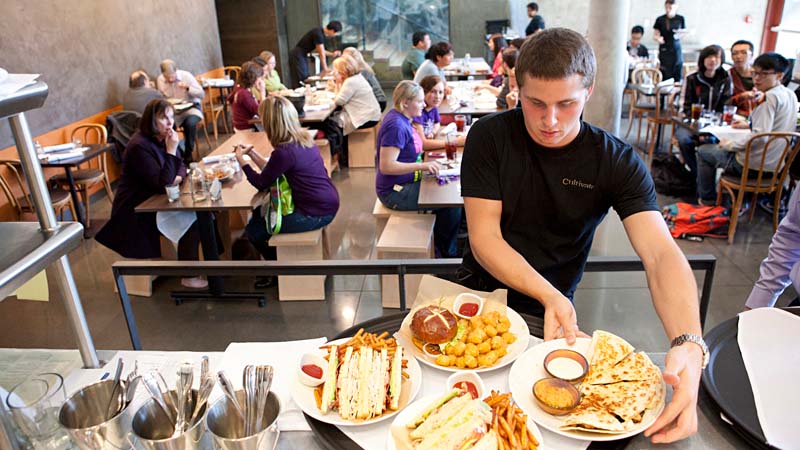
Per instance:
(483,361)
(509,338)
(459,348)
(503,325)
(492,355)
(470,361)
(497,342)
(444,360)
(490,330)
(471,350)
(502,351)
(460,363)
(450,350)
(475,321)
(484,347)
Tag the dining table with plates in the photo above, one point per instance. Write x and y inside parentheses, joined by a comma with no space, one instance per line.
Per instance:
(466,99)
(466,67)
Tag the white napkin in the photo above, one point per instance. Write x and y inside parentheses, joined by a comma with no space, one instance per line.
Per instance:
(768,339)
(450,172)
(729,136)
(174,224)
(16,81)
(284,356)
(316,107)
(59,147)
(375,436)
(78,152)
(216,158)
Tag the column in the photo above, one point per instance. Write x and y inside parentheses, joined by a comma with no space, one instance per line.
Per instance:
(608,34)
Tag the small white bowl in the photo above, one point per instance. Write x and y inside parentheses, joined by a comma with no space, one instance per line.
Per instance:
(470,376)
(467,298)
(312,358)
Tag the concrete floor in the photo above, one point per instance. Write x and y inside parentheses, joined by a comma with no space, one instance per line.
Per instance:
(616,302)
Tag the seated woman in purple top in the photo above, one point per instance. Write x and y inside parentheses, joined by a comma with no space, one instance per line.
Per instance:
(400,166)
(244,105)
(151,161)
(429,123)
(316,200)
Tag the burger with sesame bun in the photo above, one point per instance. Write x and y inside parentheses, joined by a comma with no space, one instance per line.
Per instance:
(433,328)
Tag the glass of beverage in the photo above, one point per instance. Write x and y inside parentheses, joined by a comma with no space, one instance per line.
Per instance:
(34,405)
(728,111)
(451,146)
(173,192)
(697,110)
(461,122)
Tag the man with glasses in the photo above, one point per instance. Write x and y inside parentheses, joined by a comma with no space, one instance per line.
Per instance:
(776,110)
(742,77)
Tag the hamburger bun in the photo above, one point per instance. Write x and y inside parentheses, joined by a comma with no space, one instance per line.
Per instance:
(434,324)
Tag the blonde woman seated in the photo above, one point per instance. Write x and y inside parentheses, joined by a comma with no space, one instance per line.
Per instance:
(272,81)
(401,166)
(316,200)
(366,71)
(428,123)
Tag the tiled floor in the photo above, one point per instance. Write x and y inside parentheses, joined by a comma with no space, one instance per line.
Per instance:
(616,302)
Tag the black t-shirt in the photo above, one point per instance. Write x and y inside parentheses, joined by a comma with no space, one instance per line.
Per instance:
(311,40)
(666,27)
(536,23)
(553,199)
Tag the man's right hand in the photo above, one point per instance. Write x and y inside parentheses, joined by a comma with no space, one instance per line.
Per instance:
(560,319)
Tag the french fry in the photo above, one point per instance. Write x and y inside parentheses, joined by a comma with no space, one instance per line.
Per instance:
(318,397)
(504,425)
(523,432)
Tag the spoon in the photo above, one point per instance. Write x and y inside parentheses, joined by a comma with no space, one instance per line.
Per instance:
(227,388)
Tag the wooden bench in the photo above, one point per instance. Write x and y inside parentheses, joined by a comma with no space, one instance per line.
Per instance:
(325,153)
(361,147)
(404,237)
(307,246)
(381,213)
(142,285)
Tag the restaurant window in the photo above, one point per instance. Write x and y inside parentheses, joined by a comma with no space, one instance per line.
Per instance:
(385,26)
(788,42)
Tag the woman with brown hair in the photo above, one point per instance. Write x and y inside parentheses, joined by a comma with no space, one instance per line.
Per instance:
(244,105)
(296,157)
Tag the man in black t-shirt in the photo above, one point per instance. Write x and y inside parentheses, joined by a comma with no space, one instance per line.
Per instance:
(537,181)
(313,40)
(669,45)
(537,21)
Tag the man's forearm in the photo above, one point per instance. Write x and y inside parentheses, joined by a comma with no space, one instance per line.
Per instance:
(674,292)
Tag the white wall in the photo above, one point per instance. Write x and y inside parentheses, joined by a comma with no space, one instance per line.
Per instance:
(713,21)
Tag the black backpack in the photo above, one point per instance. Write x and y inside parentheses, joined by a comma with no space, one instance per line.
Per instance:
(671,177)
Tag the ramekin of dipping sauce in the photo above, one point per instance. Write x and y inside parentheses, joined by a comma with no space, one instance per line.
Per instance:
(567,365)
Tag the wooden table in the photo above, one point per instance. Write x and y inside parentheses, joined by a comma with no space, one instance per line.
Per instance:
(435,195)
(476,66)
(309,117)
(466,104)
(237,195)
(94,151)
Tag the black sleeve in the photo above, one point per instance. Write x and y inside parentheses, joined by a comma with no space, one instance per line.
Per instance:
(632,186)
(683,22)
(480,165)
(643,52)
(146,167)
(319,37)
(688,94)
(659,25)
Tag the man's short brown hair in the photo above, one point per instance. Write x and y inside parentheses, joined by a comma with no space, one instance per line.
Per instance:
(554,54)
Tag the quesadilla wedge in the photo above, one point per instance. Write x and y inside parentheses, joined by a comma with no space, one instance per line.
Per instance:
(627,399)
(635,367)
(589,416)
(607,350)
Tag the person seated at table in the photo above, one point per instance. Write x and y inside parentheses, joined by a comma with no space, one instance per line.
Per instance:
(366,71)
(776,111)
(742,77)
(296,157)
(177,84)
(314,39)
(439,56)
(400,166)
(781,267)
(512,98)
(636,49)
(150,162)
(709,86)
(272,81)
(516,43)
(509,60)
(428,123)
(420,43)
(497,43)
(140,92)
(244,105)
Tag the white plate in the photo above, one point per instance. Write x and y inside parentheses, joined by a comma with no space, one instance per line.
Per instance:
(529,368)
(518,327)
(304,396)
(415,408)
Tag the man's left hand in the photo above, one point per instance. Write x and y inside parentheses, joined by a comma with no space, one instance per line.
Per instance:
(679,418)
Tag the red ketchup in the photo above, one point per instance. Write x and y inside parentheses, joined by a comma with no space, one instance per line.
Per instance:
(468,309)
(312,370)
(469,387)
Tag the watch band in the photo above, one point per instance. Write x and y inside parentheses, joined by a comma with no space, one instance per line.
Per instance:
(688,337)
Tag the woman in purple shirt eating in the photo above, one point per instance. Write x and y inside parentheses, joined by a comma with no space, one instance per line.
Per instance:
(297,157)
(400,166)
(428,123)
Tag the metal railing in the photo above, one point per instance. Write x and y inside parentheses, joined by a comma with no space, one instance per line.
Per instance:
(399,267)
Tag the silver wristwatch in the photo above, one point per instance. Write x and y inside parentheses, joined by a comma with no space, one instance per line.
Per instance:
(682,339)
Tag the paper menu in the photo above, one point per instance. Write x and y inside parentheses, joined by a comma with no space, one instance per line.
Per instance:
(768,339)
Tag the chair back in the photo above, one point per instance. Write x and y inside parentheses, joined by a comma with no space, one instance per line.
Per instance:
(232,71)
(644,75)
(11,179)
(92,133)
(786,144)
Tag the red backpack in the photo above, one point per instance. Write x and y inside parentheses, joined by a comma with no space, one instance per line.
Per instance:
(685,219)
